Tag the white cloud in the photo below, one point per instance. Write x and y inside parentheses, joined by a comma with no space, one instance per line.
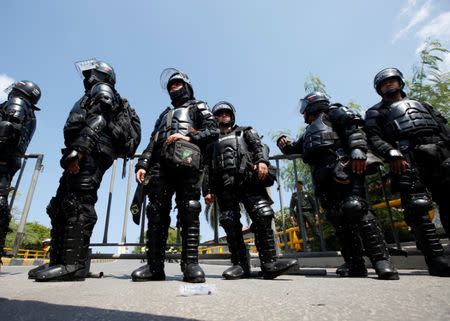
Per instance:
(420,15)
(5,81)
(438,28)
(408,7)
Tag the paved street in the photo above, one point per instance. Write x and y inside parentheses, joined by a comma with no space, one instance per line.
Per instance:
(416,296)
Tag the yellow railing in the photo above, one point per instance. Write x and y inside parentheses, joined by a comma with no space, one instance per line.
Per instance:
(293,242)
(29,254)
(398,203)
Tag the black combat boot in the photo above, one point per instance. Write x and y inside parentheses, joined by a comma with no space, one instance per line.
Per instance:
(192,272)
(75,256)
(239,254)
(190,235)
(156,251)
(428,242)
(376,248)
(271,266)
(5,218)
(153,271)
(352,252)
(56,241)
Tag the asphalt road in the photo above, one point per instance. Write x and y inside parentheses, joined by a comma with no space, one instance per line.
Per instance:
(416,296)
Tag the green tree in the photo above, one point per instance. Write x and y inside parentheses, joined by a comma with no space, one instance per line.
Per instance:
(314,83)
(35,233)
(428,82)
(279,219)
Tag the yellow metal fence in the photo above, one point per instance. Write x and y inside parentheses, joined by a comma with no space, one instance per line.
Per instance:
(29,254)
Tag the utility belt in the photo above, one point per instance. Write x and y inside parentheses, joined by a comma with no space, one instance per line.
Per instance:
(411,142)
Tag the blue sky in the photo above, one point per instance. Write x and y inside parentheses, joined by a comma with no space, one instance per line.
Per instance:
(256,54)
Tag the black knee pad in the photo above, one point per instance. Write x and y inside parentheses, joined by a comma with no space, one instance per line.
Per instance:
(193,207)
(354,208)
(53,208)
(418,203)
(189,213)
(263,208)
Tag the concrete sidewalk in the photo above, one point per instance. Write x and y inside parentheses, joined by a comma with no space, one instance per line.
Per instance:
(416,296)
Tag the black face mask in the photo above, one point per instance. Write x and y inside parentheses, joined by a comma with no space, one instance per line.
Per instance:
(180,96)
(392,93)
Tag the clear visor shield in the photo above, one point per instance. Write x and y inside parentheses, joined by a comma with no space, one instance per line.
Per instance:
(302,104)
(170,73)
(84,65)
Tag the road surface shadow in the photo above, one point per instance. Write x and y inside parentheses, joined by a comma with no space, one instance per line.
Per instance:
(15,310)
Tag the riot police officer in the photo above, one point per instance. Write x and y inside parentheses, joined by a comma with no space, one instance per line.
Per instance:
(415,140)
(101,127)
(335,147)
(17,126)
(238,171)
(172,163)
(308,210)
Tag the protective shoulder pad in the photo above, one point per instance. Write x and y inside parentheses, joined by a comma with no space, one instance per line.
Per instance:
(243,128)
(17,109)
(376,106)
(343,116)
(203,108)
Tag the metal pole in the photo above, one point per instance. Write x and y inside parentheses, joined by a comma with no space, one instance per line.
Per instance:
(300,212)
(388,206)
(280,196)
(108,208)
(16,187)
(26,208)
(127,199)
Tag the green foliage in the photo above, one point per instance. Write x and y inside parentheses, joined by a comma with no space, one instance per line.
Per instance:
(355,106)
(279,219)
(171,239)
(35,233)
(429,83)
(287,172)
(314,83)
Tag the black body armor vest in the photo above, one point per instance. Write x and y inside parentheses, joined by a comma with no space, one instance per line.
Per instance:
(229,151)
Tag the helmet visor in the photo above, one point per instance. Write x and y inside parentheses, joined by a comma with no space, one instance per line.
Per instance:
(170,73)
(302,104)
(84,65)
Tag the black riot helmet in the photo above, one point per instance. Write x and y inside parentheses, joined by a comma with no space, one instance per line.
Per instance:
(27,89)
(314,103)
(171,75)
(225,106)
(94,71)
(385,74)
